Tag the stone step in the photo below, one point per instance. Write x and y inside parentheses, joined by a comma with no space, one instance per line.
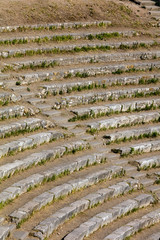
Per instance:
(15,111)
(108,216)
(103,82)
(29,142)
(154,189)
(65,36)
(155,13)
(54,26)
(52,113)
(9,169)
(5,230)
(6,97)
(140,2)
(136,133)
(105,95)
(138,175)
(65,61)
(118,162)
(78,132)
(27,95)
(18,88)
(130,170)
(43,107)
(76,47)
(147,3)
(80,206)
(85,72)
(145,163)
(37,96)
(25,211)
(62,120)
(157,18)
(22,126)
(7,84)
(137,1)
(71,127)
(157,174)
(146,182)
(24,94)
(42,230)
(121,121)
(108,109)
(35,101)
(152,7)
(30,182)
(144,147)
(136,225)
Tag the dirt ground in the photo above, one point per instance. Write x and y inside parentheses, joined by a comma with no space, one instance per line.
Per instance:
(121,13)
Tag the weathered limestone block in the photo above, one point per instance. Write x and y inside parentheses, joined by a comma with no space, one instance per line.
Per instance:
(77,234)
(80,205)
(154,216)
(92,225)
(134,133)
(133,183)
(4,196)
(78,99)
(147,162)
(145,147)
(106,193)
(13,191)
(126,206)
(93,199)
(29,182)
(106,218)
(120,233)
(61,190)
(144,200)
(43,199)
(4,232)
(79,183)
(124,120)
